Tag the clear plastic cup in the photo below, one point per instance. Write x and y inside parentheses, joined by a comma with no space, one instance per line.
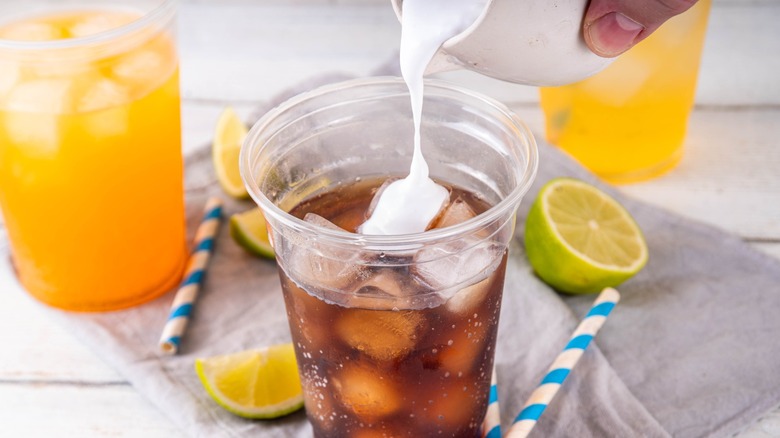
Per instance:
(628,122)
(393,334)
(91,173)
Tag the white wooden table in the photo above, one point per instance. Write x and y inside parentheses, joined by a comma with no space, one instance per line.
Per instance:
(239,52)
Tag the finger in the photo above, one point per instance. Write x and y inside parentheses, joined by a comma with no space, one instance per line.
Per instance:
(611,27)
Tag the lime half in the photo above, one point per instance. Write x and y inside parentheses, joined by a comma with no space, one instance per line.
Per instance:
(228,137)
(581,240)
(254,383)
(249,230)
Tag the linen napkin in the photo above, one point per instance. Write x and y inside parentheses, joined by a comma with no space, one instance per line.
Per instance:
(689,351)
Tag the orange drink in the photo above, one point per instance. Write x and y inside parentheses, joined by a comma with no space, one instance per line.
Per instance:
(628,122)
(90,156)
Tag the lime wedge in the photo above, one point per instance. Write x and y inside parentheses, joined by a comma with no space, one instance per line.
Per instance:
(249,230)
(581,240)
(254,383)
(228,137)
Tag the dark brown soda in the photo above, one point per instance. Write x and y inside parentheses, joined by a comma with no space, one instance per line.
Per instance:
(379,372)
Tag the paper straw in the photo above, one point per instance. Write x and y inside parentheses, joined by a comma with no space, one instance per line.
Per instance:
(184,301)
(563,364)
(491,426)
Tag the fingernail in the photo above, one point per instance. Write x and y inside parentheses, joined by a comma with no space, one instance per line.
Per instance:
(613,34)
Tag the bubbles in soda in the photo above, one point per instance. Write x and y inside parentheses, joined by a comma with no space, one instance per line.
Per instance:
(388,349)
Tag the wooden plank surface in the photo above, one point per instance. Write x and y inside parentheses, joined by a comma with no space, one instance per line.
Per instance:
(67,410)
(240,52)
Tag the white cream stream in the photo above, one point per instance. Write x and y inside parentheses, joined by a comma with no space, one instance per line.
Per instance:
(410,204)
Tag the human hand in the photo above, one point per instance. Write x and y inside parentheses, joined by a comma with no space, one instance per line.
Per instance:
(611,27)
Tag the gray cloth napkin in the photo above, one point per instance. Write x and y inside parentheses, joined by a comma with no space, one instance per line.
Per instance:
(689,352)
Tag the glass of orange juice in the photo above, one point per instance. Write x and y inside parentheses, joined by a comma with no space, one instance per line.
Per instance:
(628,122)
(91,188)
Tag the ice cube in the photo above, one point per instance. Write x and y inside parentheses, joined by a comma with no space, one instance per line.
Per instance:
(112,122)
(324,266)
(106,101)
(49,96)
(33,112)
(31,31)
(96,23)
(102,93)
(466,300)
(366,391)
(37,134)
(451,264)
(139,67)
(9,76)
(381,334)
(320,221)
(456,212)
(382,290)
(45,68)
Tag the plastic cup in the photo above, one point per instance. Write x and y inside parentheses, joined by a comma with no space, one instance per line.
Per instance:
(628,122)
(386,340)
(91,186)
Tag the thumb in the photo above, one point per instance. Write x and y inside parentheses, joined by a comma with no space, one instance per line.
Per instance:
(611,27)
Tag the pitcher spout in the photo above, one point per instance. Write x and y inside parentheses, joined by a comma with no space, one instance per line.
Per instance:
(443,62)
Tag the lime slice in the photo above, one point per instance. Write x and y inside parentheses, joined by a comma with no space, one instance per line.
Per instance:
(580,240)
(254,383)
(228,137)
(249,230)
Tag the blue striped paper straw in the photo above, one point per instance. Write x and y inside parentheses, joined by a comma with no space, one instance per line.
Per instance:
(491,426)
(184,301)
(564,363)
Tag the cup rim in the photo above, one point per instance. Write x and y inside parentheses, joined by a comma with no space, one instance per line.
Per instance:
(390,243)
(158,13)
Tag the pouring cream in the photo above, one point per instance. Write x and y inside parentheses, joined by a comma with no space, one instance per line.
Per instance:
(408,205)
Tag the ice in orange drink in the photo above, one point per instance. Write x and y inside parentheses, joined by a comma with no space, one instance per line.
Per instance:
(90,157)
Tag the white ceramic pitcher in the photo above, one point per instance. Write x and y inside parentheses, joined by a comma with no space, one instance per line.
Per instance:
(534,42)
